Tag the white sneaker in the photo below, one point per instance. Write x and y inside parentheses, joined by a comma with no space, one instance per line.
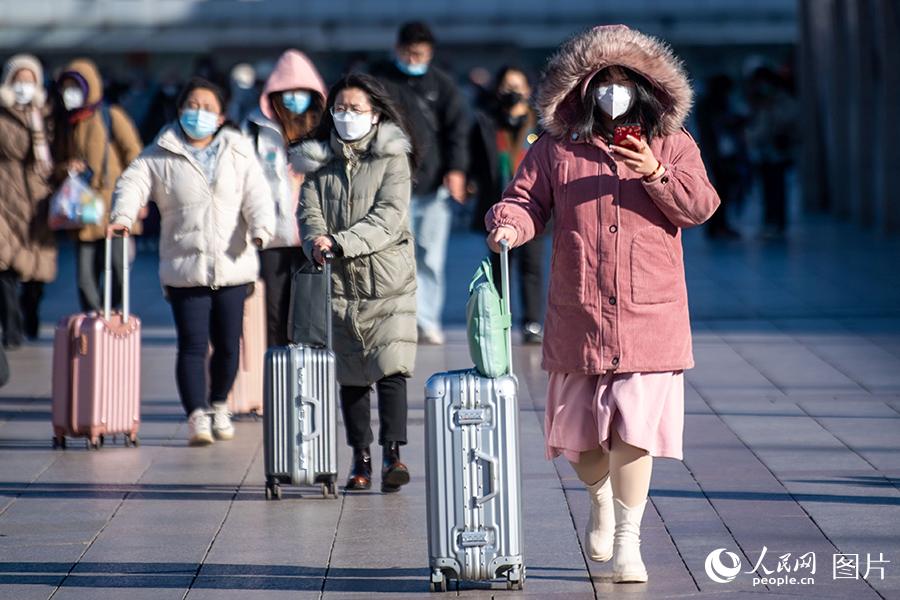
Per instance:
(199,428)
(628,567)
(221,422)
(602,523)
(431,337)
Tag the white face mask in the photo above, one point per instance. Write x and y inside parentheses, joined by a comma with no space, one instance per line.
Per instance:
(351,126)
(615,99)
(73,98)
(23,92)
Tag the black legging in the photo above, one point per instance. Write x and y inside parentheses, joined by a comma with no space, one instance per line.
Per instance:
(392,408)
(204,315)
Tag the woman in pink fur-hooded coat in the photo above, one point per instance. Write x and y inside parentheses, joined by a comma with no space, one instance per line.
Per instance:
(617,328)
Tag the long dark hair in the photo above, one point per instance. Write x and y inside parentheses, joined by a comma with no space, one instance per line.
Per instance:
(381,102)
(647,110)
(295,128)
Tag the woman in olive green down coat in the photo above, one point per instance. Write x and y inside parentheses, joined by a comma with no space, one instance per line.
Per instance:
(355,203)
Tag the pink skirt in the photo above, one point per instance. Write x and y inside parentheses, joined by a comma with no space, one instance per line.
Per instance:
(647,410)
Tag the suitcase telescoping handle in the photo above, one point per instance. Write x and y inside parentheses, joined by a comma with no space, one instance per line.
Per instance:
(107,280)
(329,257)
(504,290)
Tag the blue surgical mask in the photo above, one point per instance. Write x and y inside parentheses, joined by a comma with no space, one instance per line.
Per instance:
(199,124)
(412,70)
(297,102)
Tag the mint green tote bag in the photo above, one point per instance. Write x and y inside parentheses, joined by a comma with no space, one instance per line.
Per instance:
(488,320)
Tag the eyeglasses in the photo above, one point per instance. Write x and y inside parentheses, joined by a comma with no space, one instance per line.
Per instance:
(353,110)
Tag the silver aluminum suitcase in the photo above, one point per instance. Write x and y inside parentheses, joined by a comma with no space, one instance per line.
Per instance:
(473,483)
(300,416)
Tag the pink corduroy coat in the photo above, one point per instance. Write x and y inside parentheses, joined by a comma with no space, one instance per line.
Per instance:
(617,299)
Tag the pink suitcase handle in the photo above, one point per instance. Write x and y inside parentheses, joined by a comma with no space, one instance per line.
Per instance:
(107,280)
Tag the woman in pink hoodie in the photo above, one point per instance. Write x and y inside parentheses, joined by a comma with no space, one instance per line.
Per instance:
(290,108)
(617,334)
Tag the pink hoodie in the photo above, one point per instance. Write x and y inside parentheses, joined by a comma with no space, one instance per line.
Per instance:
(293,71)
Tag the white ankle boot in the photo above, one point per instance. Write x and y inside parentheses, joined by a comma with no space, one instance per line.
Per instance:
(627,564)
(598,538)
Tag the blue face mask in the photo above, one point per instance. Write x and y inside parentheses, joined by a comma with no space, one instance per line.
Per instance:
(296,102)
(412,70)
(199,124)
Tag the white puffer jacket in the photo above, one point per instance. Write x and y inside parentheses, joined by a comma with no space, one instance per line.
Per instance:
(273,158)
(207,229)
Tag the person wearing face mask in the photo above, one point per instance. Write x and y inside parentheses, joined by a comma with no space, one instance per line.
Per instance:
(501,135)
(27,246)
(290,108)
(434,105)
(97,141)
(215,209)
(617,333)
(355,202)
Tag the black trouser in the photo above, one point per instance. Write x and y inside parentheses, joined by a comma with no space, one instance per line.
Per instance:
(10,311)
(392,408)
(276,267)
(30,301)
(774,184)
(19,314)
(530,260)
(204,315)
(728,185)
(91,257)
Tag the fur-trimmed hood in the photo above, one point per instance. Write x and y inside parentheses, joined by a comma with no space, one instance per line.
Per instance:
(312,155)
(582,56)
(13,66)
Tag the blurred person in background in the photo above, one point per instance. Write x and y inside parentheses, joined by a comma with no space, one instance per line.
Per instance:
(724,150)
(355,203)
(290,108)
(501,135)
(244,93)
(216,210)
(618,334)
(771,137)
(435,109)
(27,246)
(98,141)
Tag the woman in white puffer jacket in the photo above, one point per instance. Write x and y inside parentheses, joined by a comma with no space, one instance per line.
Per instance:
(216,208)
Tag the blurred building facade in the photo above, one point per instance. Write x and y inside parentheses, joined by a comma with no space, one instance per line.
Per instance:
(849,67)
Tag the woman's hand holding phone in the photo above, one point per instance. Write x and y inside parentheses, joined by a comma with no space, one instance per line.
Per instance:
(639,157)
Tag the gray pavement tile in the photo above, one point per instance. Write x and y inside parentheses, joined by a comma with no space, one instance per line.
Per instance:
(793,367)
(23,591)
(111,587)
(207,590)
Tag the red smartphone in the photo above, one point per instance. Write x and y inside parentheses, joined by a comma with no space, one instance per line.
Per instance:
(621,133)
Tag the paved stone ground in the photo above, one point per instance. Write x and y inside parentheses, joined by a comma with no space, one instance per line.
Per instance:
(792,444)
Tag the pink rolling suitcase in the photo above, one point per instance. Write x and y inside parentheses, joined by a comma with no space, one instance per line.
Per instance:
(97,370)
(246,395)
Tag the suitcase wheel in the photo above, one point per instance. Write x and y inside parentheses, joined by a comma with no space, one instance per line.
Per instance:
(515,578)
(273,491)
(132,441)
(329,489)
(438,581)
(59,442)
(93,444)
